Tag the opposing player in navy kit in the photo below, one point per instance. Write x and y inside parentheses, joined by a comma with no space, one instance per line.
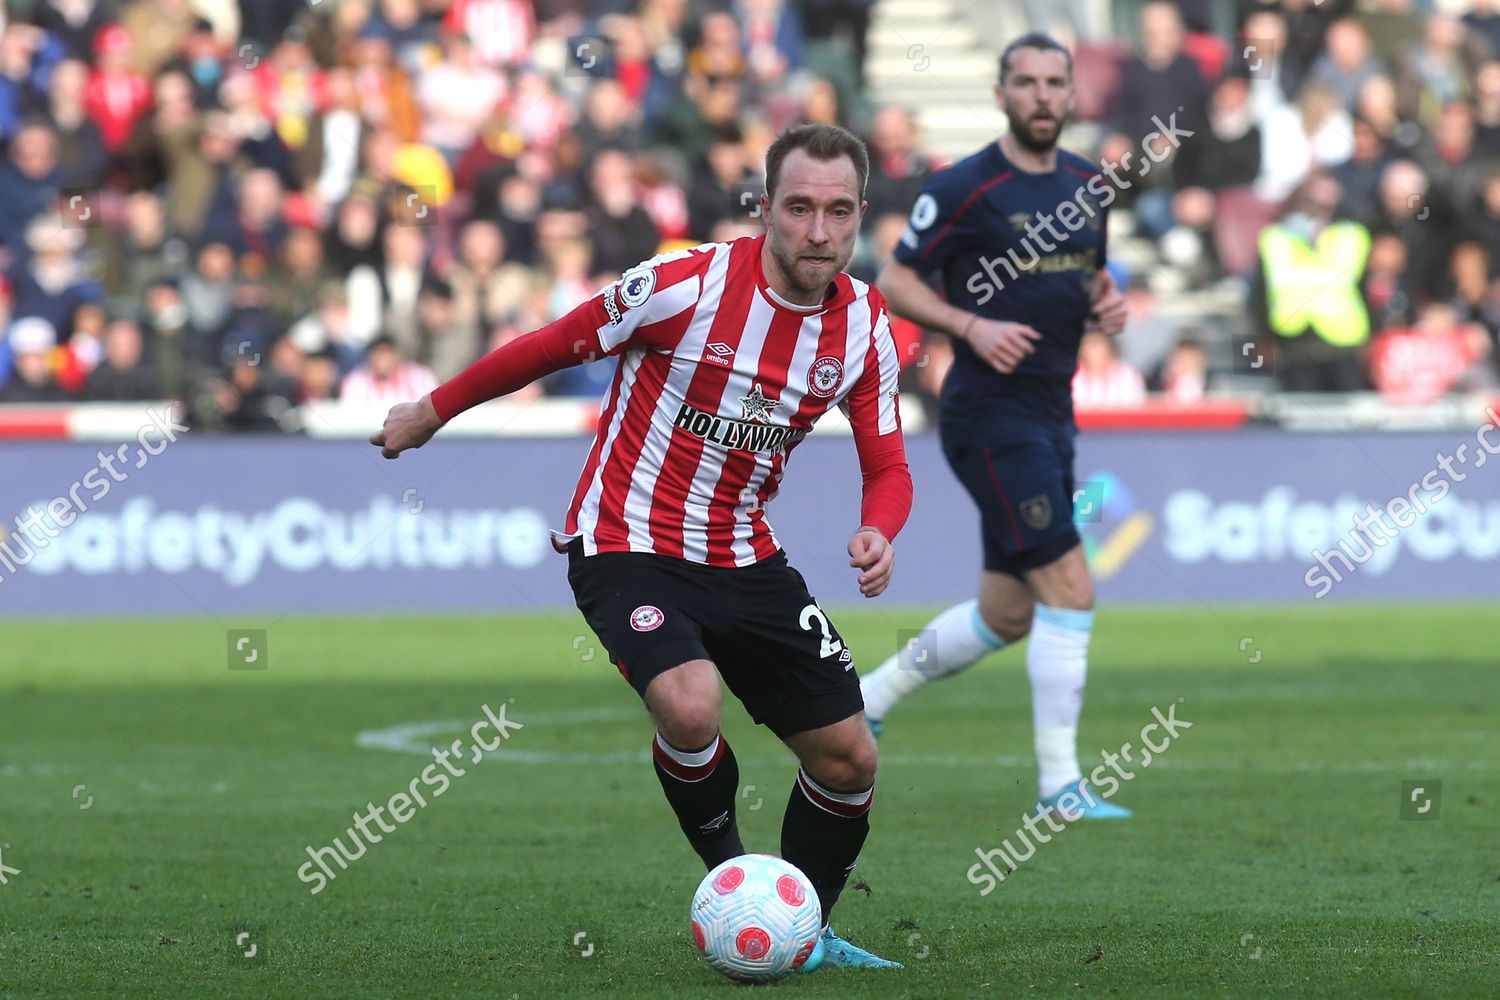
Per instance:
(1016,233)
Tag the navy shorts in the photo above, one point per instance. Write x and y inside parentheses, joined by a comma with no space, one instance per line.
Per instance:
(1020,475)
(774,646)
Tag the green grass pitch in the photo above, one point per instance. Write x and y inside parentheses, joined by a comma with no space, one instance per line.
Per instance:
(155,807)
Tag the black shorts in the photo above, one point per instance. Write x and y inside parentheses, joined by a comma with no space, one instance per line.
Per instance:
(1020,475)
(775,648)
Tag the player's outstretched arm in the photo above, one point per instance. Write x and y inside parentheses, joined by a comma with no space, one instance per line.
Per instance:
(569,341)
(884,507)
(1003,345)
(910,297)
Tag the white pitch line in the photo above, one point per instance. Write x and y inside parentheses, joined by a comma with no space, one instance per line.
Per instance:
(414,738)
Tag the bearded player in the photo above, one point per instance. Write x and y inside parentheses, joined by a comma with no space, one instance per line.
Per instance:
(728,354)
(1017,234)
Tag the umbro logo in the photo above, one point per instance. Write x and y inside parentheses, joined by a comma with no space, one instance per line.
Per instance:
(718,822)
(719,353)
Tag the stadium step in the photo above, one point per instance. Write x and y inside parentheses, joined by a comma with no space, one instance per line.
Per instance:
(937,58)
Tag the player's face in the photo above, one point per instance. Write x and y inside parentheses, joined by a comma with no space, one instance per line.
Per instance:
(812,224)
(1037,97)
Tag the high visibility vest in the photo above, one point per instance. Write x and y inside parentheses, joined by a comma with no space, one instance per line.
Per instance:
(1317,287)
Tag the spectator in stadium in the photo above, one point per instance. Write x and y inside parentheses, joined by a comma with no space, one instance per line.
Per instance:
(29,181)
(123,376)
(1156,82)
(203,59)
(117,94)
(82,157)
(1425,362)
(1391,27)
(837,37)
(1387,283)
(898,169)
(399,23)
(457,96)
(1307,295)
(320,377)
(26,58)
(386,378)
(1483,21)
(1270,55)
(1469,269)
(1359,176)
(1486,104)
(611,120)
(138,253)
(622,232)
(1377,105)
(208,294)
(262,22)
(487,289)
(297,276)
(52,283)
(724,185)
(258,225)
(660,176)
(1433,74)
(328,329)
(404,269)
(1482,222)
(159,27)
(501,31)
(448,344)
(164,324)
(1346,63)
(1449,159)
(82,350)
(1215,174)
(773,38)
(1408,213)
(31,343)
(1183,378)
(75,24)
(1103,381)
(254,399)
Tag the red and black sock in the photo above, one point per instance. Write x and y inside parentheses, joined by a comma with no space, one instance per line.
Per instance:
(701,785)
(822,834)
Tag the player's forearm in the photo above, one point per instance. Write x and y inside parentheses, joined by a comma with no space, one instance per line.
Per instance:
(567,342)
(887,493)
(912,298)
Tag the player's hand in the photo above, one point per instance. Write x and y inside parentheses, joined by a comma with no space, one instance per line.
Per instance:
(1109,312)
(408,425)
(1003,345)
(870,551)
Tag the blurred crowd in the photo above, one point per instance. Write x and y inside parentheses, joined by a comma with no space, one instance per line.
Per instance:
(1345,172)
(251,204)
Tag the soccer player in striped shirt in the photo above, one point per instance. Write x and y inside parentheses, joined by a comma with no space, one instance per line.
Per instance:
(728,354)
(1017,234)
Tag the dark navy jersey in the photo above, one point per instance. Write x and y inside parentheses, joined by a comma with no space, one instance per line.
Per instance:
(1019,247)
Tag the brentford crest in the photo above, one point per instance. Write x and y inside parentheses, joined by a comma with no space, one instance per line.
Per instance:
(825,376)
(646,618)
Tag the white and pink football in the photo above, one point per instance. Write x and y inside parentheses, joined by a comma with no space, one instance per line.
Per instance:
(755,918)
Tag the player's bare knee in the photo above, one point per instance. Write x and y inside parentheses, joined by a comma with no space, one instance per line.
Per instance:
(849,767)
(1011,623)
(684,704)
(688,725)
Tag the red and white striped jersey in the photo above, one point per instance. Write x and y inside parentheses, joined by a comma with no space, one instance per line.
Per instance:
(717,382)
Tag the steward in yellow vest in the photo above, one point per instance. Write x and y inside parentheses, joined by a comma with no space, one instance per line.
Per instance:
(1311,302)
